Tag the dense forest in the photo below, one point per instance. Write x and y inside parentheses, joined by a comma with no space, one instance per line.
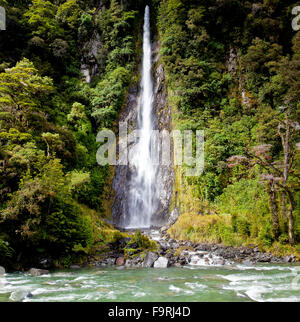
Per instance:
(232,69)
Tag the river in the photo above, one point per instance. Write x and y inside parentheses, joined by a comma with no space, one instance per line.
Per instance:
(234,283)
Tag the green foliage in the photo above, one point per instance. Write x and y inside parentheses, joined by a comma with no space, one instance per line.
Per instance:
(229,66)
(6,251)
(108,96)
(42,213)
(85,25)
(115,26)
(259,61)
(68,13)
(247,202)
(91,193)
(142,241)
(21,89)
(50,184)
(41,16)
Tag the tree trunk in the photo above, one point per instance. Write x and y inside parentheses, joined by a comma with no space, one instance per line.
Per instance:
(291,219)
(274,209)
(283,205)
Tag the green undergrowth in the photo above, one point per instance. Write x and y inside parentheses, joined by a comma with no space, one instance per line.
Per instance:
(219,229)
(139,245)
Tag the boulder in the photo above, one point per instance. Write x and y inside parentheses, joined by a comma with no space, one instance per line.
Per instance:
(128,263)
(161,262)
(247,262)
(178,265)
(120,261)
(20,295)
(150,259)
(110,261)
(218,261)
(37,271)
(2,270)
(289,259)
(75,267)
(164,245)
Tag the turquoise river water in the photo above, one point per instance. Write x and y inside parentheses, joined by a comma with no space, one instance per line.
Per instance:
(268,282)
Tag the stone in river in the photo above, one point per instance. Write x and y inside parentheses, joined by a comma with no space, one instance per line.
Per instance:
(37,271)
(2,270)
(177,265)
(20,295)
(162,262)
(247,262)
(120,261)
(111,261)
(150,259)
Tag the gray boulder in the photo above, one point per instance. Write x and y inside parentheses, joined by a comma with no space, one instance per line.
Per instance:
(247,262)
(20,295)
(37,272)
(75,267)
(150,259)
(111,261)
(162,262)
(2,270)
(289,259)
(128,263)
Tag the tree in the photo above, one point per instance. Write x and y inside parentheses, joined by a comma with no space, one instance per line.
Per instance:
(41,16)
(22,88)
(60,48)
(281,176)
(287,130)
(42,213)
(53,142)
(108,96)
(68,13)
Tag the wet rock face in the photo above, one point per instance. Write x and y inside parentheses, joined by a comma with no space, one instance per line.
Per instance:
(165,174)
(91,49)
(232,62)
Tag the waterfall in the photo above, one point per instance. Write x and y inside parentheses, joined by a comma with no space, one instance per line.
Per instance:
(142,202)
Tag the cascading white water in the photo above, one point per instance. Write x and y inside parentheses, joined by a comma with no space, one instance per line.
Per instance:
(142,203)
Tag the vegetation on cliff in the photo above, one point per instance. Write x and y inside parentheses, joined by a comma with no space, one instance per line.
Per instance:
(232,66)
(51,188)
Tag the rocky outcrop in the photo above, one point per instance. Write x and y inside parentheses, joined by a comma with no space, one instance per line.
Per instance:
(232,62)
(178,253)
(171,220)
(91,50)
(165,175)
